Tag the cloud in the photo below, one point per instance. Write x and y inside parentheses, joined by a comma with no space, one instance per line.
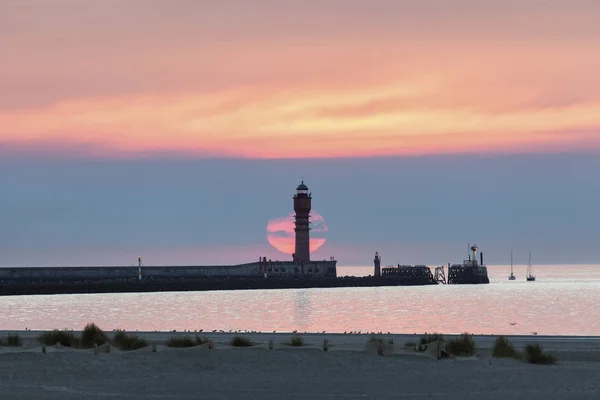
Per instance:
(287,80)
(359,121)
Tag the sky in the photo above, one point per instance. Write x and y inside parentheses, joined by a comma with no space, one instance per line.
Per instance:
(177,130)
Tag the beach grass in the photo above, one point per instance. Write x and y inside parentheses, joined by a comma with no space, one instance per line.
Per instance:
(463,346)
(503,348)
(11,341)
(65,338)
(92,335)
(535,355)
(373,338)
(185,341)
(125,341)
(296,341)
(429,338)
(238,341)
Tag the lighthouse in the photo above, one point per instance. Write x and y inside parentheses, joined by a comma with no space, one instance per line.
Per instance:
(377,263)
(302,205)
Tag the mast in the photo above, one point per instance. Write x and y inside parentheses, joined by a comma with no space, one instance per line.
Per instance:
(529,266)
(511,262)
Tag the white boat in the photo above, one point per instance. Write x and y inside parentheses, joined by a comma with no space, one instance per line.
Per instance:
(512,276)
(530,276)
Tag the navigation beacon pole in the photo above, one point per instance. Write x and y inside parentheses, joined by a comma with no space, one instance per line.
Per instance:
(302,206)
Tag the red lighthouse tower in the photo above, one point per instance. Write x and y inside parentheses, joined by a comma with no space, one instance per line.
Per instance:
(302,205)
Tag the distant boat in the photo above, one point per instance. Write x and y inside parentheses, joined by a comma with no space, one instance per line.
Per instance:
(512,276)
(530,276)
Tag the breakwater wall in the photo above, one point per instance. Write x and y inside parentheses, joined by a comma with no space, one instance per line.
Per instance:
(20,287)
(249,270)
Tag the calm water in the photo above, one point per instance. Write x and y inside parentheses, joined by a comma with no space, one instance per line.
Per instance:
(563,301)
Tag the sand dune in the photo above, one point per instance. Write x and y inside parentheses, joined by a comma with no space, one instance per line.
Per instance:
(350,369)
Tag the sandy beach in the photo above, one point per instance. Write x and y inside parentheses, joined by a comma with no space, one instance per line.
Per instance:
(351,368)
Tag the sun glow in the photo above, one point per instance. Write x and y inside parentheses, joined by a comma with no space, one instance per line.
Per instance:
(280,233)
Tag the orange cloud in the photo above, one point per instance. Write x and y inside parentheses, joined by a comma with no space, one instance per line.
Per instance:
(304,123)
(442,81)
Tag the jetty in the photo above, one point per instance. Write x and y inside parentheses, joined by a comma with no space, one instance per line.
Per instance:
(300,272)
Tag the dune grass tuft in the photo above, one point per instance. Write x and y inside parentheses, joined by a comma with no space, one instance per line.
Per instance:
(377,339)
(296,341)
(124,341)
(504,349)
(463,346)
(11,341)
(429,338)
(92,335)
(373,338)
(239,341)
(535,355)
(65,338)
(185,341)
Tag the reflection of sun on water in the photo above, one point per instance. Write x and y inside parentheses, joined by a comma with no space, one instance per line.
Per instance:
(280,233)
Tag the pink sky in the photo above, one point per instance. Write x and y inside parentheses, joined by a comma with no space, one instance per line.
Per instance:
(271,79)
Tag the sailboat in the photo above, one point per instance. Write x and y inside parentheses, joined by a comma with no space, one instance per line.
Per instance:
(512,276)
(530,276)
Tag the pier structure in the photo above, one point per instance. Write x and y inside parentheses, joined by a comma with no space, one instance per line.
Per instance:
(470,271)
(302,207)
(410,274)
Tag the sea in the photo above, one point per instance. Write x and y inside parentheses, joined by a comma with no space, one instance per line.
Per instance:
(564,300)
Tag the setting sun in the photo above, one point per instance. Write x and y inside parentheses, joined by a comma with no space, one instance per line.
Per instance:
(280,233)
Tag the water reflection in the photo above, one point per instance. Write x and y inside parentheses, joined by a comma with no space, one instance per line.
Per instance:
(302,309)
